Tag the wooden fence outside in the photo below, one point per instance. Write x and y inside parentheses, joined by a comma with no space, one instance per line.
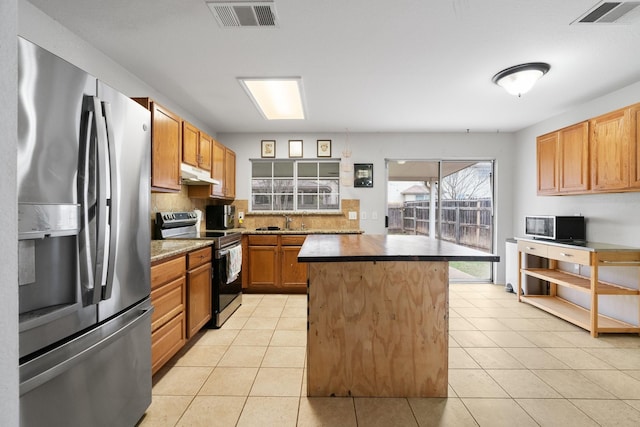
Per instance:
(464,222)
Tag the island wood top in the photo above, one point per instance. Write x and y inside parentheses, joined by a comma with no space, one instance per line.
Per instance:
(378,247)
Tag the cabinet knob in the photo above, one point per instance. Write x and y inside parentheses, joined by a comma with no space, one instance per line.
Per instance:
(567,255)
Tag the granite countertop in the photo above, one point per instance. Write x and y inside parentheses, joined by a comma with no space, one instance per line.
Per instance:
(305,231)
(161,249)
(296,231)
(585,246)
(373,247)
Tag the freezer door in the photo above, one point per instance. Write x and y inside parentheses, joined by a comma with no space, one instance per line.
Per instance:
(51,121)
(128,128)
(101,378)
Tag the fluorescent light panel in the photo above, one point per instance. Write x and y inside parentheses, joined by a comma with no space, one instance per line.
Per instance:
(276,98)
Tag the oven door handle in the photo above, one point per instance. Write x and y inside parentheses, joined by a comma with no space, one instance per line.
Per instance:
(222,252)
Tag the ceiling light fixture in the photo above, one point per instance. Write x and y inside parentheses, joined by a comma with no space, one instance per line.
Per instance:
(276,98)
(520,79)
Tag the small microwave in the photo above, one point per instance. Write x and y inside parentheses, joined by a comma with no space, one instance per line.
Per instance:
(561,228)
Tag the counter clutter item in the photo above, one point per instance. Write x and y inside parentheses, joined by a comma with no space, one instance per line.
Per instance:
(378,314)
(594,255)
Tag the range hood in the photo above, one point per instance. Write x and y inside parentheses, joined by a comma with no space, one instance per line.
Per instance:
(191,175)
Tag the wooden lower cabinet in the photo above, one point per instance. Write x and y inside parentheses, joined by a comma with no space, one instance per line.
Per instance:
(293,273)
(273,265)
(198,290)
(263,262)
(168,322)
(181,299)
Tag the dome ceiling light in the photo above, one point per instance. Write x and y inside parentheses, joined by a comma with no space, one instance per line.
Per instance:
(519,79)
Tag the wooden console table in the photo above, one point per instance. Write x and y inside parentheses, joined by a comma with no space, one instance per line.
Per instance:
(594,255)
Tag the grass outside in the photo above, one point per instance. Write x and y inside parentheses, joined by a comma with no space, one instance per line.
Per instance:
(478,269)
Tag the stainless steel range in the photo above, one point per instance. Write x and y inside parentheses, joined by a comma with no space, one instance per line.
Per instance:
(227,281)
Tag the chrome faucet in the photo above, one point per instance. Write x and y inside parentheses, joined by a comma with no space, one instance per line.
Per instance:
(287,222)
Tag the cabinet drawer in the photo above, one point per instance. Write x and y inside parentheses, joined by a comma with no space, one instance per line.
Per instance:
(538,249)
(569,255)
(292,240)
(167,301)
(263,240)
(166,341)
(167,271)
(199,257)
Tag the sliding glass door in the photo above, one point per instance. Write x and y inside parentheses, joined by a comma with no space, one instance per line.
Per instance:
(451,200)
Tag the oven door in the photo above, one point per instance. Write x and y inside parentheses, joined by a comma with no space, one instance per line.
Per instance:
(226,295)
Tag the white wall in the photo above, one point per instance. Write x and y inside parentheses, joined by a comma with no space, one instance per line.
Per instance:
(8,216)
(375,148)
(42,30)
(611,218)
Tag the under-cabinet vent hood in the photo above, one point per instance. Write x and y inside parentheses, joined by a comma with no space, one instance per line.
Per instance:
(607,12)
(239,13)
(193,176)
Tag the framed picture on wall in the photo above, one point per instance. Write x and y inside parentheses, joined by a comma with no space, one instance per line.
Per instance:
(324,148)
(268,148)
(295,148)
(363,174)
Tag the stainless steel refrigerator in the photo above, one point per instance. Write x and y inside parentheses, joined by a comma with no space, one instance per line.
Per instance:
(83,249)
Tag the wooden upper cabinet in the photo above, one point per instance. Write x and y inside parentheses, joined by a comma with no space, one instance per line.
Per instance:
(166,146)
(547,165)
(218,163)
(573,158)
(190,144)
(204,151)
(634,155)
(166,142)
(609,146)
(229,174)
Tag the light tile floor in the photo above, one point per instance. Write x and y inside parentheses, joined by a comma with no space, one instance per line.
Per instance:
(510,365)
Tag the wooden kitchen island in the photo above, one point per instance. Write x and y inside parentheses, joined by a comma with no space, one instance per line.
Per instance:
(378,317)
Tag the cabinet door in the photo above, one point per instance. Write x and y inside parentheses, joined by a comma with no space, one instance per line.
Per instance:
(204,152)
(609,147)
(634,155)
(198,298)
(190,143)
(263,266)
(547,155)
(293,273)
(230,174)
(573,160)
(166,143)
(217,163)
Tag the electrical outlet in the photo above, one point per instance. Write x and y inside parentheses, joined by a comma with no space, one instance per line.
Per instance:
(353,215)
(363,215)
(240,215)
(374,215)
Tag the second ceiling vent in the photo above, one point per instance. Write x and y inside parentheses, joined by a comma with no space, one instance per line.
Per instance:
(234,14)
(607,12)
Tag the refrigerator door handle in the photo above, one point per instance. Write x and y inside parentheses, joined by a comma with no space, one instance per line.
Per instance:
(102,195)
(48,374)
(112,226)
(94,190)
(86,200)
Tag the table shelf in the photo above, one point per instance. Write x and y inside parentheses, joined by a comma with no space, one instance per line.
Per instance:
(577,315)
(578,282)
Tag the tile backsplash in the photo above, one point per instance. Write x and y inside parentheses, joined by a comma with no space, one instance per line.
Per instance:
(331,221)
(174,202)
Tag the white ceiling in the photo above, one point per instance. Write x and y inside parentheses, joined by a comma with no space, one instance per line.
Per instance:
(366,65)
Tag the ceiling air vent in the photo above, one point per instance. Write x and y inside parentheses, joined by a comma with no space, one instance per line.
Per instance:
(608,12)
(234,14)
